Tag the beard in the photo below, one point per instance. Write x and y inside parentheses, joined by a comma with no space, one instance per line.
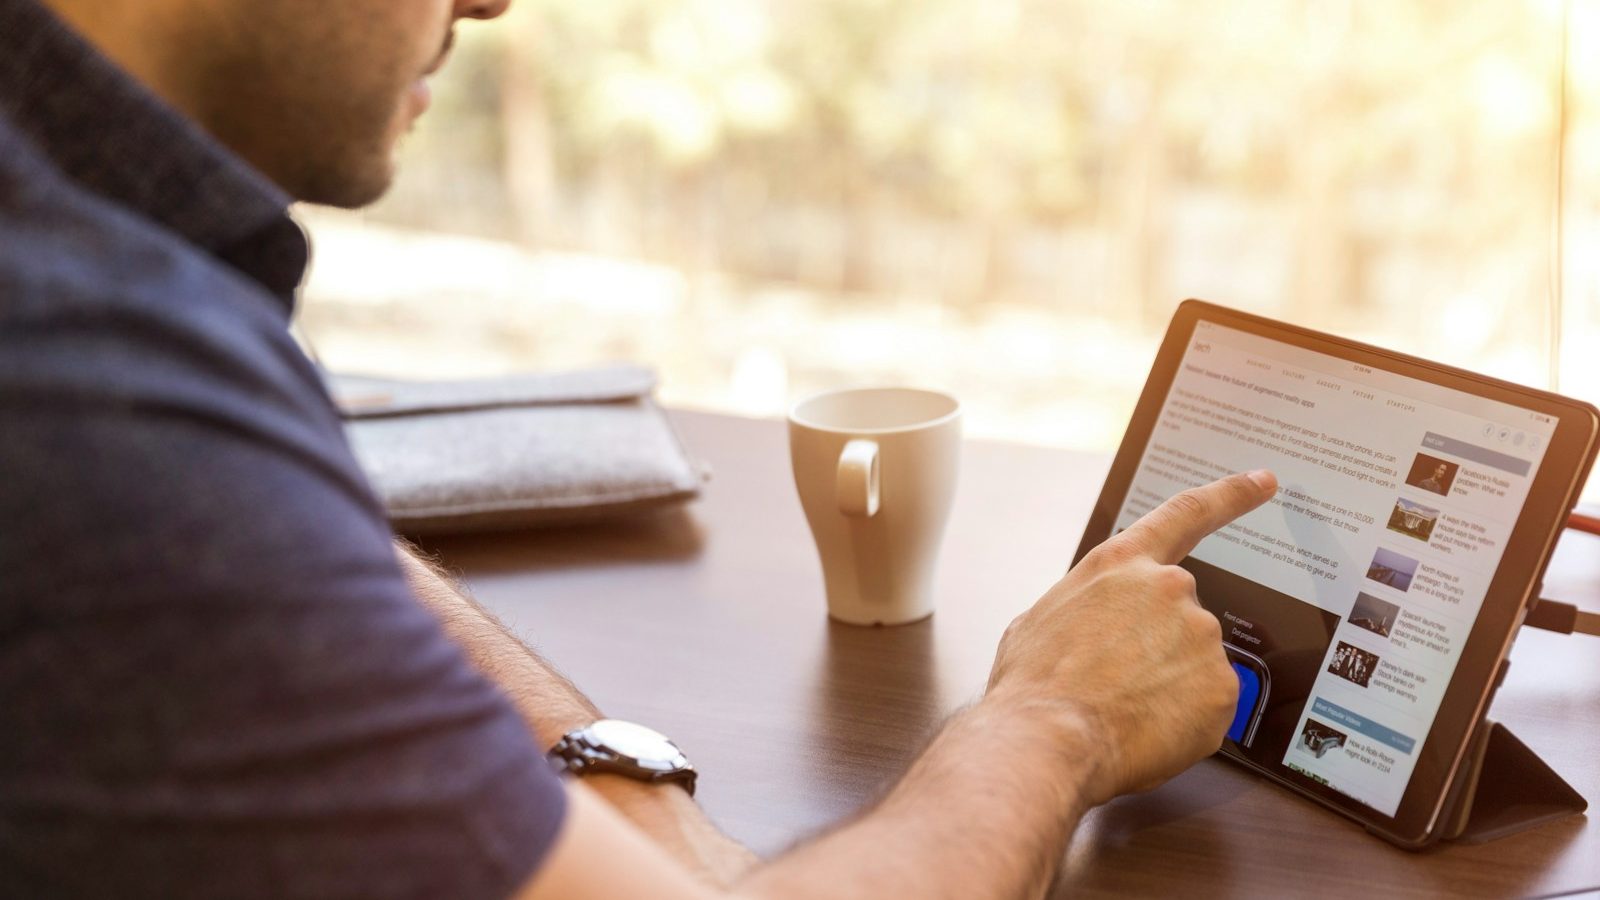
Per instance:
(319,110)
(337,153)
(348,174)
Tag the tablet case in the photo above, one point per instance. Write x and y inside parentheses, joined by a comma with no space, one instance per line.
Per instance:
(1504,788)
(515,452)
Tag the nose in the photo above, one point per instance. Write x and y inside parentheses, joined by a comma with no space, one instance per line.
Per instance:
(481,9)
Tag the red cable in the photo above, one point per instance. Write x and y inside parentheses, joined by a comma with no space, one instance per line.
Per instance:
(1587,520)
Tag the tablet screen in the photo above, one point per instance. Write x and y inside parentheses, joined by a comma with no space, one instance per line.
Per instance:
(1354,590)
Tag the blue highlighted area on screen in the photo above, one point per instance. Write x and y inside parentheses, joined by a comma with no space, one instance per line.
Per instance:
(1249,695)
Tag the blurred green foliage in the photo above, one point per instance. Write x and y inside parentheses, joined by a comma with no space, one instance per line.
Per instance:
(1359,154)
(1002,197)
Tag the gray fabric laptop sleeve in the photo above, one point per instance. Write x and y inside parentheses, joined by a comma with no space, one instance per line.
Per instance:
(515,452)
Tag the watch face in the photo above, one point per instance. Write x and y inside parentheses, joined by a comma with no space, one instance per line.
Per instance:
(632,740)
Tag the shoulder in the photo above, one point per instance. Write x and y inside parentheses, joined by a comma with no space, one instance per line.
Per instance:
(197,575)
(103,311)
(145,388)
(69,256)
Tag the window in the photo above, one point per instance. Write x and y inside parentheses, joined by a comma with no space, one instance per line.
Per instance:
(1002,197)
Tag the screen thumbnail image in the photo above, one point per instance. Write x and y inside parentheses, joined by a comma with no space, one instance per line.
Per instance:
(1353,664)
(1319,739)
(1413,519)
(1373,614)
(1432,474)
(1391,569)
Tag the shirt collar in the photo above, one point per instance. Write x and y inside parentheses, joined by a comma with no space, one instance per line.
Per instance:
(117,139)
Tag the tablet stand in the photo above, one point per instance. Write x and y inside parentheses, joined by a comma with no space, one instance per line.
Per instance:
(1504,788)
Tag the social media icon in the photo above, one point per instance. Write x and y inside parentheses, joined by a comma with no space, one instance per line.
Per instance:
(1533,442)
(1488,429)
(1503,433)
(1519,439)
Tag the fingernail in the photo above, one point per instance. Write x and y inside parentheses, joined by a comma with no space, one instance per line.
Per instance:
(1264,479)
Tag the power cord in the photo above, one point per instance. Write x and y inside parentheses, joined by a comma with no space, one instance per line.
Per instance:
(1562,618)
(1565,618)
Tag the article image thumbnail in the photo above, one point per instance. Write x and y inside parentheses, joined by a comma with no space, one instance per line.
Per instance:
(1320,739)
(1376,616)
(1432,474)
(1390,569)
(1413,519)
(1353,664)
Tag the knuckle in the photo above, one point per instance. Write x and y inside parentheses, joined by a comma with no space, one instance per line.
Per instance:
(1190,504)
(1013,628)
(1203,623)
(1115,552)
(1178,580)
(1018,629)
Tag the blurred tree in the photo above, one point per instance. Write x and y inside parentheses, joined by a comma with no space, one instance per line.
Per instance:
(1360,157)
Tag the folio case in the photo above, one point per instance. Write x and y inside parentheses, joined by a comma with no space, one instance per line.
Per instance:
(1504,788)
(515,452)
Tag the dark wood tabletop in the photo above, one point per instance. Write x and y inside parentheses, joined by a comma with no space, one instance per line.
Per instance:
(709,624)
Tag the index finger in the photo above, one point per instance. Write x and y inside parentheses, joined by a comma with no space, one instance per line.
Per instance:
(1170,531)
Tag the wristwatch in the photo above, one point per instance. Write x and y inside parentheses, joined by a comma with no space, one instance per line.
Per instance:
(623,748)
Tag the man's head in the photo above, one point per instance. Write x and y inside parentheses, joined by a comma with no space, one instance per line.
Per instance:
(1440,471)
(314,93)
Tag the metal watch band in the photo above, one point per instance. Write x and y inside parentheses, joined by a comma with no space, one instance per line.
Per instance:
(576,754)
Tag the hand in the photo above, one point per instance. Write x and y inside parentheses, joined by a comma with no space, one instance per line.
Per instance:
(1122,649)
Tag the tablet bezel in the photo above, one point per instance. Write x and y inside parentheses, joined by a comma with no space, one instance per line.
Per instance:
(1560,477)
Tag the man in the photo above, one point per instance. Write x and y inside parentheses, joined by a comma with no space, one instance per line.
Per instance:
(1436,482)
(218,676)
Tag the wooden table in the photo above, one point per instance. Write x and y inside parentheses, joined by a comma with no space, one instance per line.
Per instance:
(709,624)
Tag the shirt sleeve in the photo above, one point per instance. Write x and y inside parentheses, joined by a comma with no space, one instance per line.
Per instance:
(214,680)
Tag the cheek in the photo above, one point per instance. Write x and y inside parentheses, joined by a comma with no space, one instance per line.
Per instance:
(371,77)
(374,42)
(415,28)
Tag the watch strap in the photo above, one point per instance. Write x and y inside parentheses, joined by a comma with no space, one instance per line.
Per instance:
(576,755)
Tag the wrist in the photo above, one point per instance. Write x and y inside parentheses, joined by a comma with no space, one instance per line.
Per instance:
(624,748)
(676,823)
(657,802)
(1065,739)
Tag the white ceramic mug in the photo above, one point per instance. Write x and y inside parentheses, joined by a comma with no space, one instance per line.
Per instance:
(876,471)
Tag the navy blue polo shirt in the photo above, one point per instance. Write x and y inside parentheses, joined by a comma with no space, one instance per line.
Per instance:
(214,680)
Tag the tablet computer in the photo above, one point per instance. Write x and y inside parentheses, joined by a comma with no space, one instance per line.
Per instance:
(1368,608)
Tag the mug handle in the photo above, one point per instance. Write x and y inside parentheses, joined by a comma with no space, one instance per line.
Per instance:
(857,486)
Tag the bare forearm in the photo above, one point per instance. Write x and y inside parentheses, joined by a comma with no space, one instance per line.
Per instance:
(549,703)
(1114,681)
(986,812)
(552,706)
